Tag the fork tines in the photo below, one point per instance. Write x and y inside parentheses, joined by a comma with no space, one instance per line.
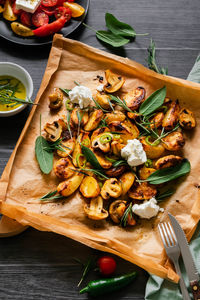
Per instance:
(167,234)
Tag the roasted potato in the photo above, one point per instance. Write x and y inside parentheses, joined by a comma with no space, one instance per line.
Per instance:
(67,146)
(156,121)
(135,97)
(63,168)
(143,191)
(132,115)
(111,188)
(174,141)
(89,187)
(105,164)
(152,151)
(115,116)
(172,116)
(74,118)
(53,131)
(116,148)
(127,131)
(20,29)
(127,180)
(114,82)
(103,100)
(115,171)
(8,13)
(187,119)
(116,211)
(55,99)
(95,210)
(168,161)
(99,131)
(94,120)
(145,172)
(83,138)
(69,186)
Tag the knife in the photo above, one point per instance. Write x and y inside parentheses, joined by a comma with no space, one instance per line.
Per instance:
(187,257)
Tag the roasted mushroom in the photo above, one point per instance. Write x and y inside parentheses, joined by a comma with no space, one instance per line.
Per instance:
(134,98)
(143,191)
(127,131)
(168,161)
(89,187)
(95,210)
(66,147)
(114,82)
(102,142)
(74,122)
(145,172)
(115,171)
(103,100)
(116,211)
(69,186)
(152,151)
(63,168)
(56,99)
(127,180)
(174,141)
(94,120)
(111,188)
(53,131)
(115,116)
(99,131)
(187,119)
(172,116)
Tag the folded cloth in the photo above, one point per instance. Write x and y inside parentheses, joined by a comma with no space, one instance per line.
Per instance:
(157,288)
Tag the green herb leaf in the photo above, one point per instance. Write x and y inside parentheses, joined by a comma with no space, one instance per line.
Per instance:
(127,212)
(117,27)
(111,39)
(44,157)
(194,74)
(119,163)
(165,194)
(152,60)
(153,102)
(88,266)
(49,194)
(171,173)
(120,102)
(98,106)
(91,158)
(65,91)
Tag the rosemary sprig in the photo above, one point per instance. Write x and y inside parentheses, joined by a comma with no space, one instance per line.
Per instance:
(88,266)
(51,196)
(65,91)
(127,212)
(80,117)
(151,60)
(165,194)
(68,123)
(57,145)
(6,99)
(120,102)
(98,106)
(96,172)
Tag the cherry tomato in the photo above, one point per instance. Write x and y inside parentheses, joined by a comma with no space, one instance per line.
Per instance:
(15,10)
(50,11)
(63,11)
(40,18)
(107,265)
(51,28)
(60,3)
(49,3)
(70,0)
(25,18)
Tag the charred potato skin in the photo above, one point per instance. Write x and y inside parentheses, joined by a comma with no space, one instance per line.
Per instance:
(89,187)
(172,116)
(128,130)
(187,119)
(174,141)
(135,98)
(94,119)
(127,180)
(143,191)
(152,152)
(168,161)
(111,188)
(63,168)
(55,99)
(145,172)
(69,186)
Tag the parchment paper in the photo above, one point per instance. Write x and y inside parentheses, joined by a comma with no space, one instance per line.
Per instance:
(22,181)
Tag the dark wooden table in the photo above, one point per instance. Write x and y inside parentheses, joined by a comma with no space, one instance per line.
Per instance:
(39,265)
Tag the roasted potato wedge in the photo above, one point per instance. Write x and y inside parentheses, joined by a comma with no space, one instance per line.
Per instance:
(174,141)
(187,119)
(115,171)
(152,151)
(135,97)
(145,172)
(132,115)
(115,116)
(111,188)
(105,164)
(114,82)
(63,168)
(156,121)
(143,191)
(127,130)
(172,116)
(102,99)
(8,13)
(21,30)
(116,148)
(56,99)
(53,131)
(69,186)
(94,120)
(67,146)
(168,161)
(127,180)
(95,210)
(74,118)
(83,138)
(89,187)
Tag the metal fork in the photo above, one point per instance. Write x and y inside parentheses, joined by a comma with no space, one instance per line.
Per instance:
(173,251)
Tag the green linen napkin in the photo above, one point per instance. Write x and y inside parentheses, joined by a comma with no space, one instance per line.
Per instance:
(158,288)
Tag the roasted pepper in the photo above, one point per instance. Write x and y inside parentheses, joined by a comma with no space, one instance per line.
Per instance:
(103,286)
(49,29)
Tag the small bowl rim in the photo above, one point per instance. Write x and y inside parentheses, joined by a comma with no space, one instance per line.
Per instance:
(29,78)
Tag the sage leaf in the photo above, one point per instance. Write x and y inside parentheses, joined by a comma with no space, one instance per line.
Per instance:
(153,102)
(194,74)
(44,157)
(164,195)
(91,158)
(117,27)
(112,39)
(171,173)
(65,91)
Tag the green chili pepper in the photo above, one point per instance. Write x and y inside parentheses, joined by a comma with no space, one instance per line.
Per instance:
(112,160)
(164,107)
(116,136)
(148,163)
(107,285)
(105,138)
(156,143)
(67,105)
(79,163)
(86,142)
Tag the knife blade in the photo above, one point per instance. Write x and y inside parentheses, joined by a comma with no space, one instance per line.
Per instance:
(187,257)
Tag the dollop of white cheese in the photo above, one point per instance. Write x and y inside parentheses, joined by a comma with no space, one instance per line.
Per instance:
(148,209)
(134,153)
(100,88)
(81,95)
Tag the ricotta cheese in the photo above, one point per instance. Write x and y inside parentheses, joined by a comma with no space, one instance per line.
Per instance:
(148,209)
(28,5)
(134,153)
(81,95)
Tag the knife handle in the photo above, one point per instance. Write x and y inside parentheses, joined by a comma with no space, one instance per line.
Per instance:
(195,289)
